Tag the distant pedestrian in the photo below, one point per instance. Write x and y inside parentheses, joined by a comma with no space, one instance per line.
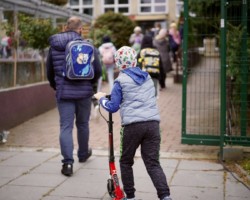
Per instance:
(161,44)
(149,59)
(181,28)
(136,39)
(156,29)
(134,94)
(174,40)
(6,43)
(107,51)
(96,88)
(73,97)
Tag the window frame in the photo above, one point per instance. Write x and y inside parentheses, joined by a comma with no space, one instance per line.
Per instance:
(152,5)
(81,7)
(74,5)
(179,7)
(116,7)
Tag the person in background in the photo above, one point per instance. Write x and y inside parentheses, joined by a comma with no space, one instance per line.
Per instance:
(96,88)
(134,94)
(161,44)
(6,43)
(107,51)
(181,27)
(73,97)
(149,59)
(174,40)
(136,39)
(156,29)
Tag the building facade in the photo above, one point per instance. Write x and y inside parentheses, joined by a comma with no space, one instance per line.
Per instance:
(145,12)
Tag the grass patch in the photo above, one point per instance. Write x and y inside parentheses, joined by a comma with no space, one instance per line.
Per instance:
(245,164)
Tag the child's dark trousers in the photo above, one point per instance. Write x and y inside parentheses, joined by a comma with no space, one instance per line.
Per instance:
(146,135)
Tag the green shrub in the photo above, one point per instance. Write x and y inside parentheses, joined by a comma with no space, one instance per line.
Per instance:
(234,59)
(119,27)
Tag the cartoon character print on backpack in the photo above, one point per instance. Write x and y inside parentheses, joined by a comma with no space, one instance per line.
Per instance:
(82,58)
(79,57)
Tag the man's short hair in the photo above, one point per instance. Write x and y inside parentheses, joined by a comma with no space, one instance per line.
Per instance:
(73,23)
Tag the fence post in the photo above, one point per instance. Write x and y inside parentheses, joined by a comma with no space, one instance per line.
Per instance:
(244,70)
(184,54)
(223,22)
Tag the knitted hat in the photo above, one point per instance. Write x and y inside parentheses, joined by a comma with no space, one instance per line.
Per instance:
(125,57)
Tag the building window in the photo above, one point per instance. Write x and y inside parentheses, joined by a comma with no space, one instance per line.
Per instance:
(117,6)
(153,6)
(76,9)
(116,2)
(87,2)
(123,2)
(160,9)
(88,11)
(82,6)
(179,8)
(123,10)
(109,2)
(145,1)
(109,9)
(74,2)
(146,9)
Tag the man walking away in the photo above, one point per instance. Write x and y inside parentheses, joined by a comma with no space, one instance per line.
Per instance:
(73,96)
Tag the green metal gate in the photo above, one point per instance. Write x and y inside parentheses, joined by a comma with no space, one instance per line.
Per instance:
(216,72)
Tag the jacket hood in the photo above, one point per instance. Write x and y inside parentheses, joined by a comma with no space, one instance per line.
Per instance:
(60,40)
(136,74)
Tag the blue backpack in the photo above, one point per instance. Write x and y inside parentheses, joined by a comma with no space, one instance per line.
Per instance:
(79,56)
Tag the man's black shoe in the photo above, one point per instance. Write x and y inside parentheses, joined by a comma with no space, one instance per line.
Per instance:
(67,169)
(82,160)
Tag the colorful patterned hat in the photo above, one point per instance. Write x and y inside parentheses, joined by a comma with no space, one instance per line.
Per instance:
(125,57)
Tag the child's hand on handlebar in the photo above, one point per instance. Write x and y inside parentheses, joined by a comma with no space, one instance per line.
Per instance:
(99,95)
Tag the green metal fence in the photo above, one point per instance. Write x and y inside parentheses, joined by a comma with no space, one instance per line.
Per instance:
(216,92)
(237,72)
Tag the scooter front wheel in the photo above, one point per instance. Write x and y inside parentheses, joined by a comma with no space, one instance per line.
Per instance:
(111,188)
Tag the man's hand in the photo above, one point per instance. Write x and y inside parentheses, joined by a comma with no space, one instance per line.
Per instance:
(99,95)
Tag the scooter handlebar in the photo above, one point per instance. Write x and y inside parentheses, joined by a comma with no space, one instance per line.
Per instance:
(108,96)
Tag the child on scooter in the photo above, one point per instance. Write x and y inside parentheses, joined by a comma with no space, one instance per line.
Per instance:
(134,94)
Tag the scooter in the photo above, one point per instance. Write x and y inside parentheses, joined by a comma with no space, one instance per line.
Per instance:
(113,186)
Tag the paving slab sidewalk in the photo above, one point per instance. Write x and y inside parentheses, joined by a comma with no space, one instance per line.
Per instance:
(34,174)
(30,161)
